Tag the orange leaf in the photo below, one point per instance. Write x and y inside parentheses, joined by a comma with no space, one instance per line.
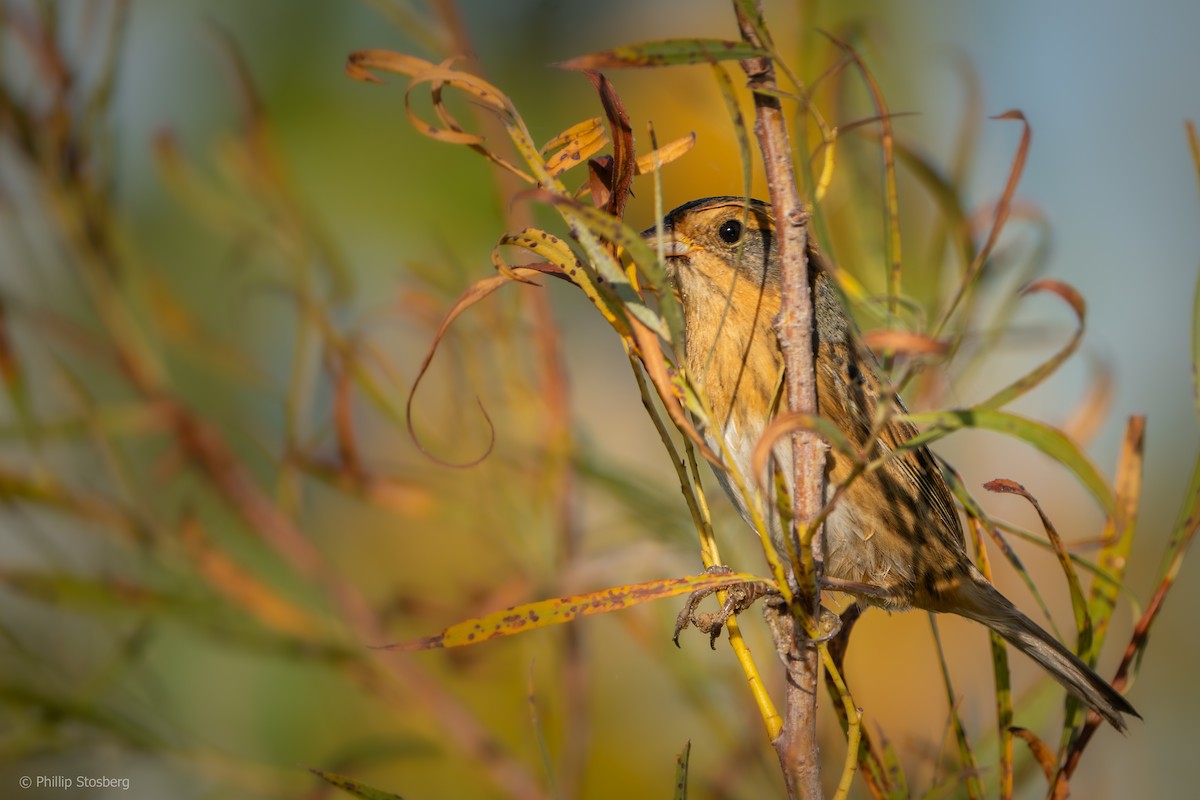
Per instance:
(473,294)
(1041,751)
(241,587)
(905,342)
(665,154)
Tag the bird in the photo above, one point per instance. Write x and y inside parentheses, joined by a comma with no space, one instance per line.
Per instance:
(893,538)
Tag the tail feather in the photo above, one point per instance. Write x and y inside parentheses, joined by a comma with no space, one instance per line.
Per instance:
(988,606)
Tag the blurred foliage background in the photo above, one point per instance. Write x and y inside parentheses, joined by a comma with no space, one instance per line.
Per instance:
(276,245)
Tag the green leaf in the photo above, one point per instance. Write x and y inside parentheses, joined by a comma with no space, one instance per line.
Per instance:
(681,771)
(1196,348)
(970,770)
(1045,370)
(1049,440)
(353,787)
(97,597)
(667,52)
(66,708)
(1118,534)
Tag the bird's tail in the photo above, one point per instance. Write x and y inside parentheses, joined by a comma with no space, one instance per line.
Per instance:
(985,604)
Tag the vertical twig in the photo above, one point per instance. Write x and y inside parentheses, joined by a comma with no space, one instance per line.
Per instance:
(796,745)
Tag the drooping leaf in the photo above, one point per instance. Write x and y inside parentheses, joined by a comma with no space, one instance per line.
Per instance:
(623,160)
(1042,752)
(999,219)
(1044,437)
(473,294)
(891,190)
(1046,369)
(1083,619)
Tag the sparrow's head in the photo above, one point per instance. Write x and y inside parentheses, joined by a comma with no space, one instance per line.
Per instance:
(706,242)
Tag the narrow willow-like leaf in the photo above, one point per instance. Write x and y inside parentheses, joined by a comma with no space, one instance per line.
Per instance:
(970,770)
(539,614)
(353,787)
(738,120)
(1000,672)
(1118,535)
(580,130)
(576,152)
(1049,440)
(589,220)
(1083,619)
(664,155)
(976,512)
(681,772)
(1003,209)
(899,342)
(1042,752)
(1026,382)
(667,52)
(556,251)
(1196,348)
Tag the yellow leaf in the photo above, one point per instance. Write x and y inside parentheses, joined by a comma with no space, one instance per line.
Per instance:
(525,617)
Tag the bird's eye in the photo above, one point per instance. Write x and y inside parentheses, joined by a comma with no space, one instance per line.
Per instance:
(730,231)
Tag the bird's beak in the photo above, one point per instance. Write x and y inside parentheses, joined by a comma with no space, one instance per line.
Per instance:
(672,247)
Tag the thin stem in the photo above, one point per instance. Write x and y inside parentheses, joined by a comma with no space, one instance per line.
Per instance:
(796,745)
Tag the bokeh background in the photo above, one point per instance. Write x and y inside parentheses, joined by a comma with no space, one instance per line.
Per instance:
(383,228)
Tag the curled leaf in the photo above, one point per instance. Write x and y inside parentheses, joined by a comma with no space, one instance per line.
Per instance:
(361,66)
(1042,752)
(785,424)
(622,165)
(474,293)
(887,141)
(1045,370)
(1000,217)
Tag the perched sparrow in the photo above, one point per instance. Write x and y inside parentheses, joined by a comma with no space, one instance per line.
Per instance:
(894,538)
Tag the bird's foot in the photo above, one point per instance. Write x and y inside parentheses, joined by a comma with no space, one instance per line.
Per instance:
(738,597)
